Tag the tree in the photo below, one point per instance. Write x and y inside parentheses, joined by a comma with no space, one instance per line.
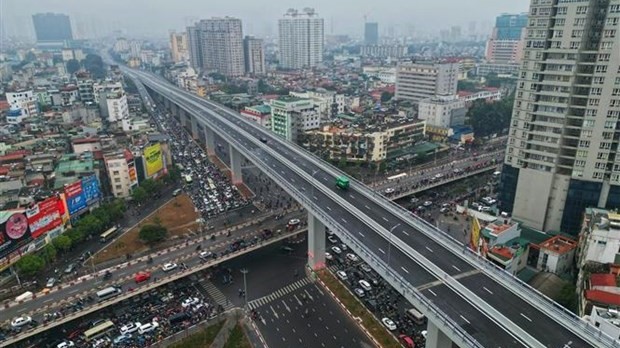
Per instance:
(91,225)
(489,118)
(152,234)
(76,235)
(94,64)
(386,96)
(49,253)
(151,187)
(464,85)
(73,66)
(62,243)
(139,195)
(568,297)
(30,265)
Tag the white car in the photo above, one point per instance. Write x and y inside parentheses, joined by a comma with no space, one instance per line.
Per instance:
(122,338)
(21,321)
(65,344)
(293,222)
(365,285)
(169,266)
(344,247)
(389,324)
(205,254)
(389,190)
(365,268)
(148,327)
(427,203)
(342,275)
(359,292)
(328,256)
(50,282)
(129,328)
(352,257)
(336,250)
(190,302)
(424,333)
(332,239)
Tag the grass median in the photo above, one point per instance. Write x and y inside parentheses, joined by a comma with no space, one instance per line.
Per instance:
(357,309)
(237,338)
(202,339)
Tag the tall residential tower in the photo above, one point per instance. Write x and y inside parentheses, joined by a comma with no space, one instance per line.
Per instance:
(216,45)
(301,39)
(562,153)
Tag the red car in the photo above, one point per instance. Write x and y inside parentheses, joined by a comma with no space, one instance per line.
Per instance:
(407,341)
(142,277)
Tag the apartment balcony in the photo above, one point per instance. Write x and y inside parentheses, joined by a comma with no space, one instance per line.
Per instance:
(586,70)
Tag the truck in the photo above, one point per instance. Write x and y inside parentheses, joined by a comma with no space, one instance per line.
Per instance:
(342,182)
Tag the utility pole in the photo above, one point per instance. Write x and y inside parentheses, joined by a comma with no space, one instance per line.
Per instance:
(245,286)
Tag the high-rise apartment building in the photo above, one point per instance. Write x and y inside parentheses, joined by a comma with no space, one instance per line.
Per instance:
(254,55)
(179,51)
(52,28)
(506,42)
(562,153)
(216,45)
(420,80)
(301,39)
(371,33)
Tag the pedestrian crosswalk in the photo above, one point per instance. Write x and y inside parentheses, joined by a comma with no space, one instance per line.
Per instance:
(216,294)
(279,293)
(333,268)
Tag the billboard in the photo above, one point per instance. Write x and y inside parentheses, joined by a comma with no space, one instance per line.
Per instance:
(91,189)
(13,232)
(45,216)
(74,195)
(153,159)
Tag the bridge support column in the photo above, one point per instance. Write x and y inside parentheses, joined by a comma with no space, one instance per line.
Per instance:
(210,141)
(194,127)
(435,338)
(235,165)
(167,104)
(316,243)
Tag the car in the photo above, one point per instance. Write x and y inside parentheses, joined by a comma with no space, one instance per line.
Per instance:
(142,277)
(293,222)
(190,301)
(176,192)
(438,176)
(205,255)
(169,266)
(21,321)
(336,250)
(444,210)
(475,205)
(328,256)
(485,208)
(389,190)
(70,268)
(424,333)
(389,324)
(352,257)
(427,203)
(129,328)
(359,292)
(50,282)
(65,344)
(365,268)
(342,275)
(414,200)
(332,239)
(148,327)
(122,338)
(407,341)
(365,285)
(344,247)
(263,140)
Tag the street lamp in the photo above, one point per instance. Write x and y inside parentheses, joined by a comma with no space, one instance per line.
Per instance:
(390,243)
(245,286)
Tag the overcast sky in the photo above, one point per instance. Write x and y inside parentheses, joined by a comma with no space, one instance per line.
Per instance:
(157,17)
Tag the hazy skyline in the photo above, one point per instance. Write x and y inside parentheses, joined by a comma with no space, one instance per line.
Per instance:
(157,17)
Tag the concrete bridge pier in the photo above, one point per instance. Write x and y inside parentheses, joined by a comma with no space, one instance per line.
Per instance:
(210,141)
(435,338)
(236,158)
(316,243)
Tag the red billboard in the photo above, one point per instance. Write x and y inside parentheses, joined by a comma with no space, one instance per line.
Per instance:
(45,216)
(13,232)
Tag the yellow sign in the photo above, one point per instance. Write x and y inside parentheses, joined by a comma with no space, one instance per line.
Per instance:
(475,233)
(153,159)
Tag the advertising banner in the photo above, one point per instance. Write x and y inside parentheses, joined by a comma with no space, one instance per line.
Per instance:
(44,216)
(76,200)
(91,190)
(153,159)
(13,232)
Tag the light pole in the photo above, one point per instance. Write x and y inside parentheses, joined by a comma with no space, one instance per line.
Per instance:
(390,243)
(245,286)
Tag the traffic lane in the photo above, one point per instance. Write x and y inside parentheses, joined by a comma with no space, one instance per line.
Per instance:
(530,319)
(155,268)
(284,322)
(467,315)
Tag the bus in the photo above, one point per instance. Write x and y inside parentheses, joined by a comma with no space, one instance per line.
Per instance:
(342,182)
(416,316)
(211,184)
(105,236)
(397,176)
(108,292)
(99,330)
(188,179)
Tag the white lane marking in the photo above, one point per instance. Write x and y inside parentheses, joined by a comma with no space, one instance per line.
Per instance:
(405,233)
(274,312)
(367,207)
(286,306)
(523,315)
(298,301)
(48,300)
(487,290)
(74,291)
(22,310)
(352,196)
(315,198)
(381,250)
(456,268)
(282,172)
(361,234)
(324,178)
(462,317)
(384,218)
(431,291)
(328,208)
(343,220)
(429,249)
(303,188)
(308,294)
(404,269)
(292,180)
